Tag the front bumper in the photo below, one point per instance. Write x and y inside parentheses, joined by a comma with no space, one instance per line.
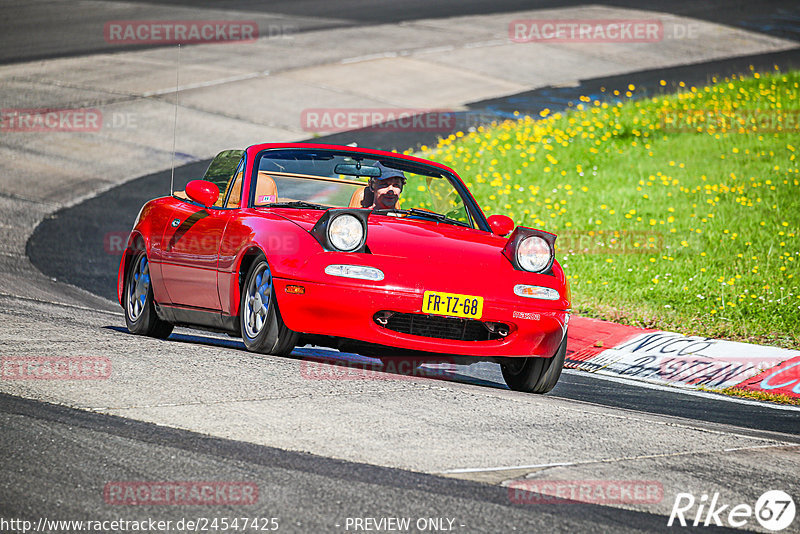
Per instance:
(347,311)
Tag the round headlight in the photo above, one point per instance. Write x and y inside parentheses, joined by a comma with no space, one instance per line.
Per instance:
(345,232)
(533,254)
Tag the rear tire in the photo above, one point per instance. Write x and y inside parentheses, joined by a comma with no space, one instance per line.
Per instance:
(263,329)
(140,312)
(535,375)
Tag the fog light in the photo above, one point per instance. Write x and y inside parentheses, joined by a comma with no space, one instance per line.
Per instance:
(382,317)
(497,328)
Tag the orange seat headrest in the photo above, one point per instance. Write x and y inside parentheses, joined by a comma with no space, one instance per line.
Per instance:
(266,189)
(362,198)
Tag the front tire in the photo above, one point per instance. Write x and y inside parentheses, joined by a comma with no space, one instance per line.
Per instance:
(263,329)
(140,312)
(535,375)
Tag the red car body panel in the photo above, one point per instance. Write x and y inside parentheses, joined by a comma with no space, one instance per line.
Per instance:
(195,257)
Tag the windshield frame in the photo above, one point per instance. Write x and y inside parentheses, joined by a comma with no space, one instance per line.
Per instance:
(427,167)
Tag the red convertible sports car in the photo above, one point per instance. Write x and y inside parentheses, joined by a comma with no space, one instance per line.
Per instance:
(361,250)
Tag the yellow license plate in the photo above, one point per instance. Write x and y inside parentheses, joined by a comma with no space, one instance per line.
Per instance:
(451,304)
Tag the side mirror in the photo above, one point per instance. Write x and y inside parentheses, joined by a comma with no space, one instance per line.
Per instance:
(501,224)
(202,192)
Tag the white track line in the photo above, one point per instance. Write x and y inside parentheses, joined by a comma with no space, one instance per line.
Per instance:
(607,460)
(210,83)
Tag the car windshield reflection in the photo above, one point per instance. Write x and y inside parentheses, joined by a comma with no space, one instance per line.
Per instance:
(317,178)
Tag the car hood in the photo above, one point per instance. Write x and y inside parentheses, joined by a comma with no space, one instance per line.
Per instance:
(417,239)
(431,244)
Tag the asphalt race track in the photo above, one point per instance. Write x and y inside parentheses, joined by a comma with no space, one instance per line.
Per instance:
(52,248)
(439,449)
(70,33)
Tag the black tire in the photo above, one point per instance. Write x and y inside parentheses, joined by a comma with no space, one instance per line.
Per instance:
(260,319)
(140,312)
(535,375)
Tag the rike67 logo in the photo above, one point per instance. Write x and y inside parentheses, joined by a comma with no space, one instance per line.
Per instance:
(774,510)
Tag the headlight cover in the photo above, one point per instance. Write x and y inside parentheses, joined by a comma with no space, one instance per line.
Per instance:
(534,254)
(355,271)
(336,230)
(536,292)
(531,250)
(345,232)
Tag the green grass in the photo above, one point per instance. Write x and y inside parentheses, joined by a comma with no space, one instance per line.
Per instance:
(777,398)
(663,221)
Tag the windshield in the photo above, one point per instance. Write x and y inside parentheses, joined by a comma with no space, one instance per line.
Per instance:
(329,179)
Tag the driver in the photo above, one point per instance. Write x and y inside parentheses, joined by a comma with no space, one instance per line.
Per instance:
(386,188)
